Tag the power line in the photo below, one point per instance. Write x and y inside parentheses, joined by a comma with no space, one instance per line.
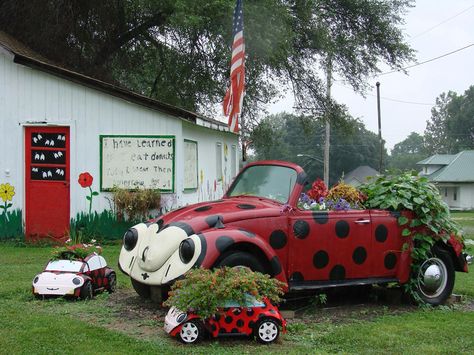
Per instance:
(427,61)
(441,23)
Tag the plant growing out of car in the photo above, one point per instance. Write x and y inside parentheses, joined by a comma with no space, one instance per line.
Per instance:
(203,291)
(431,218)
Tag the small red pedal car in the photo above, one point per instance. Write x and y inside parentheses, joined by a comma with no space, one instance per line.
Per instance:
(75,277)
(258,318)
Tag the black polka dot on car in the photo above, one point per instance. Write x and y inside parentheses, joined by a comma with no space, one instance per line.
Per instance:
(390,261)
(296,276)
(278,239)
(203,208)
(222,331)
(213,327)
(338,272)
(275,265)
(246,206)
(381,233)
(213,221)
(217,317)
(250,312)
(240,323)
(342,229)
(234,330)
(202,255)
(223,242)
(251,324)
(301,229)
(184,226)
(228,319)
(237,311)
(321,217)
(320,259)
(359,255)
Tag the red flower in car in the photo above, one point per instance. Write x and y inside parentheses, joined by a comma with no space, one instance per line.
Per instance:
(85,179)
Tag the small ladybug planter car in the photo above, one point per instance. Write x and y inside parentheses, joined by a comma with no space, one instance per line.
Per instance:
(258,224)
(79,278)
(259,319)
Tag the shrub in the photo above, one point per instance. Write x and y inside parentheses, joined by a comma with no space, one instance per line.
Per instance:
(203,290)
(135,204)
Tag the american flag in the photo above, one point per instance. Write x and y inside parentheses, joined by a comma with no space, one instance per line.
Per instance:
(235,93)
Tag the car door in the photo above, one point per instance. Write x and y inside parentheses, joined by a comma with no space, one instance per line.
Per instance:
(329,246)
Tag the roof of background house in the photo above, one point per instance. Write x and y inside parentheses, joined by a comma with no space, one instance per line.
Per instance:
(459,169)
(360,174)
(23,55)
(438,159)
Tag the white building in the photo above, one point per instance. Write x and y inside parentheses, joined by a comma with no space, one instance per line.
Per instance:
(56,124)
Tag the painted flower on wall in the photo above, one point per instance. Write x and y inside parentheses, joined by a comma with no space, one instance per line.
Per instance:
(7,192)
(85,180)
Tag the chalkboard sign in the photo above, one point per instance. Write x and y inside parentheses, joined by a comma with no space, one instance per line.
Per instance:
(132,162)
(190,165)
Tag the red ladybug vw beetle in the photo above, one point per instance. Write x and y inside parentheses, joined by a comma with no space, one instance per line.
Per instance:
(260,319)
(258,224)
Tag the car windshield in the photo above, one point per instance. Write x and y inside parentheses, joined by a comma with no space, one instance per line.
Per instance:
(269,181)
(64,265)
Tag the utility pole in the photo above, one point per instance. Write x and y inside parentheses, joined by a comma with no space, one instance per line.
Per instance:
(328,125)
(380,126)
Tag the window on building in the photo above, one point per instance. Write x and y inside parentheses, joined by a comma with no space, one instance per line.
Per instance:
(219,161)
(445,192)
(455,195)
(233,160)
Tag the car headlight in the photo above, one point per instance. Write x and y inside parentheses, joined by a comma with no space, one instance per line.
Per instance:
(76,281)
(186,250)
(181,318)
(130,239)
(36,279)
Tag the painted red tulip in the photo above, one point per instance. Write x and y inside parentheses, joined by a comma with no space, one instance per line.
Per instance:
(85,179)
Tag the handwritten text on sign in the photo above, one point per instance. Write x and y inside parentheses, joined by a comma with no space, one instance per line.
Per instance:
(138,162)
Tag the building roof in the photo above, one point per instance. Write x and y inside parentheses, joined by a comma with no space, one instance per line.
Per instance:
(459,169)
(360,174)
(438,159)
(23,55)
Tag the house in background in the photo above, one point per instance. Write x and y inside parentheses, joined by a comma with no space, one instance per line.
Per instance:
(56,124)
(453,174)
(359,175)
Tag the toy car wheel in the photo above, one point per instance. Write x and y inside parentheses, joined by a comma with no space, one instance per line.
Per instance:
(112,282)
(266,331)
(86,291)
(191,332)
(241,258)
(140,288)
(435,278)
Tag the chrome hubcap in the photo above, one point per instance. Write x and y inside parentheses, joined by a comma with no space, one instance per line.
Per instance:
(189,332)
(432,277)
(268,331)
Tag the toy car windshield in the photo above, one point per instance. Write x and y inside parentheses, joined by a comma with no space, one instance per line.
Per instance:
(250,301)
(269,181)
(64,265)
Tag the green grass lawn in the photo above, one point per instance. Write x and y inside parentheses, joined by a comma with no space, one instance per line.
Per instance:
(122,323)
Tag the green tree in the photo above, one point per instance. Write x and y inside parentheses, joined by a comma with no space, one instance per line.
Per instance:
(179,51)
(408,152)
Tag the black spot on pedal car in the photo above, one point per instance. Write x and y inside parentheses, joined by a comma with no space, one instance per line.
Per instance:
(228,319)
(390,261)
(234,330)
(296,276)
(381,233)
(203,208)
(202,255)
(275,265)
(251,324)
(278,239)
(321,217)
(217,317)
(248,233)
(337,273)
(320,259)
(237,311)
(246,206)
(301,229)
(213,327)
(342,229)
(214,221)
(240,323)
(359,255)
(222,243)
(250,312)
(184,226)
(222,331)
(302,178)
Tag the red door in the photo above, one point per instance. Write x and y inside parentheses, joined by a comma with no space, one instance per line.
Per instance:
(47,182)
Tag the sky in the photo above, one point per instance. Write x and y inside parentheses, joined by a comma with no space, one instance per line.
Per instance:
(433,28)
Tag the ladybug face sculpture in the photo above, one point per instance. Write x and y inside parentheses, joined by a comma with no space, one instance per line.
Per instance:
(257,224)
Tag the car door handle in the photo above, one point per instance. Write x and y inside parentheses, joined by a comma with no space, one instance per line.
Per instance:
(363,221)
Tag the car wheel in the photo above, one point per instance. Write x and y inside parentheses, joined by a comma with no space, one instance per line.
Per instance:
(191,332)
(240,258)
(266,331)
(435,278)
(140,288)
(86,291)
(112,282)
